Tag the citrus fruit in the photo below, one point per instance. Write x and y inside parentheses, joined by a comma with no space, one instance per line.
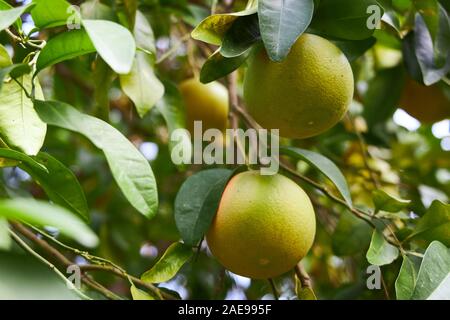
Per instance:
(426,104)
(303,96)
(264,225)
(205,102)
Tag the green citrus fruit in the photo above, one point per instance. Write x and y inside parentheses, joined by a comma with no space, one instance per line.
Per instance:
(264,226)
(205,102)
(426,104)
(304,95)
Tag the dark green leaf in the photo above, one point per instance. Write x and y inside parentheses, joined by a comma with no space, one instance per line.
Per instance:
(173,111)
(218,66)
(64,46)
(407,278)
(351,236)
(378,106)
(114,43)
(281,23)
(138,294)
(131,170)
(380,251)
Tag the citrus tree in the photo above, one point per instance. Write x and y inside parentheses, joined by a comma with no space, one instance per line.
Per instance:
(116,117)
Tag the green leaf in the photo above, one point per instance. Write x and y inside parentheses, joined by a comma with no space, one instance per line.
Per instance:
(344,19)
(173,111)
(103,77)
(130,169)
(114,43)
(406,280)
(433,280)
(197,202)
(48,14)
(281,23)
(141,85)
(5,59)
(5,240)
(170,263)
(21,157)
(386,202)
(9,16)
(213,28)
(60,184)
(242,35)
(351,236)
(143,33)
(139,294)
(435,224)
(380,251)
(22,277)
(130,8)
(324,165)
(20,126)
(45,214)
(218,66)
(64,46)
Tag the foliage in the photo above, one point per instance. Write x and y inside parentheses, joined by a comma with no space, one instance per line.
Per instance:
(89,101)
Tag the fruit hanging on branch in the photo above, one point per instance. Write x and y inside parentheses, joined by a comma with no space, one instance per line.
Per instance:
(264,226)
(303,96)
